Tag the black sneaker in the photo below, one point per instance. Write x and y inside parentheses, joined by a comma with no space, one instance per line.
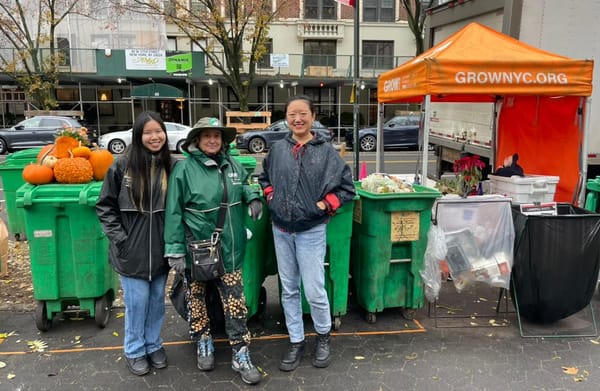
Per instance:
(292,357)
(241,363)
(322,351)
(158,358)
(138,366)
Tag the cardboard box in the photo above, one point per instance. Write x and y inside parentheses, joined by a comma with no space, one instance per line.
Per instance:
(527,189)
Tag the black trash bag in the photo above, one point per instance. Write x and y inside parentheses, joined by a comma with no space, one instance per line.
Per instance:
(556,262)
(213,302)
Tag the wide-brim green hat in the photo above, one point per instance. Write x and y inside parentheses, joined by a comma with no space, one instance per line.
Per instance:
(227,133)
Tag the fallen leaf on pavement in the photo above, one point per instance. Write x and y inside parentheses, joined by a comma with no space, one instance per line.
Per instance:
(120,315)
(2,364)
(37,346)
(411,356)
(570,370)
(11,376)
(595,341)
(359,357)
(115,334)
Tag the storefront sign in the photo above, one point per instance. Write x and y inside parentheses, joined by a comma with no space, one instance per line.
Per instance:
(179,63)
(145,59)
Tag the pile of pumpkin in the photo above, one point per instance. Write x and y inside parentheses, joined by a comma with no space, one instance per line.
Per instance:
(68,160)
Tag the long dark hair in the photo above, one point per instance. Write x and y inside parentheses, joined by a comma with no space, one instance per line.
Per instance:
(141,163)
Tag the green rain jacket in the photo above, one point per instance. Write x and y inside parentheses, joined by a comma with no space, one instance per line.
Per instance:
(194,196)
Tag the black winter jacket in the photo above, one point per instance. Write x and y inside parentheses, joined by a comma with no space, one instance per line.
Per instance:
(136,238)
(301,178)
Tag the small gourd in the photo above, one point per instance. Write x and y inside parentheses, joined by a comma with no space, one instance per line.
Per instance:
(37,174)
(82,151)
(73,170)
(47,159)
(101,160)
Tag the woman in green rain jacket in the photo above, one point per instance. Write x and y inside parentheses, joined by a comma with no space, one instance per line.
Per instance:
(193,200)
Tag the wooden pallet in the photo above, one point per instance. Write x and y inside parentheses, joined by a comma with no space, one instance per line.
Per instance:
(235,119)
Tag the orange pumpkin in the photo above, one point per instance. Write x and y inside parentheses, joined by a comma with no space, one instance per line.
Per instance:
(64,145)
(101,160)
(36,174)
(73,170)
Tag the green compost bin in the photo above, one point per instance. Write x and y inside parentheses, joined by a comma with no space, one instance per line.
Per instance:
(259,262)
(591,200)
(11,172)
(248,162)
(68,251)
(337,263)
(389,238)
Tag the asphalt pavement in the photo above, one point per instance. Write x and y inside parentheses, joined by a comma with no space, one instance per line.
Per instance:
(464,341)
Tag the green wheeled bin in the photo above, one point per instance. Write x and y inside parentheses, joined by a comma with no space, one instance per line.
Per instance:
(68,251)
(337,263)
(389,238)
(591,200)
(259,262)
(11,172)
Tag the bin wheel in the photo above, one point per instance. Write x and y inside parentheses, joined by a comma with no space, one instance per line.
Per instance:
(102,309)
(408,313)
(337,322)
(371,317)
(41,317)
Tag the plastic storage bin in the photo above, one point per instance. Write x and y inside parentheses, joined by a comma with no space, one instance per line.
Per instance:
(11,172)
(248,162)
(389,238)
(68,251)
(527,189)
(556,262)
(337,263)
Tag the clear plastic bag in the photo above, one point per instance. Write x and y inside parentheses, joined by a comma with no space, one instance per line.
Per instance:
(479,233)
(434,254)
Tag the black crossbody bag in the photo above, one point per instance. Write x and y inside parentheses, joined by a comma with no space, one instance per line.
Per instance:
(207,255)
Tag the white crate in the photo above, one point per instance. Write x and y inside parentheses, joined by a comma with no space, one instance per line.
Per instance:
(527,189)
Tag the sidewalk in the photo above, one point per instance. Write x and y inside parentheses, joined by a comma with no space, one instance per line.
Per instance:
(391,354)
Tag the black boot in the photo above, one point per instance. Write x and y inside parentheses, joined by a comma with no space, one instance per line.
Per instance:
(322,349)
(291,358)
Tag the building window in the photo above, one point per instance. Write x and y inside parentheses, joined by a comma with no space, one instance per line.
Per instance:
(265,60)
(378,10)
(197,6)
(172,44)
(320,53)
(64,49)
(378,54)
(320,9)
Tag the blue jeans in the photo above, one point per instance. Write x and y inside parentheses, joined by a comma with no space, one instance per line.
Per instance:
(300,258)
(144,314)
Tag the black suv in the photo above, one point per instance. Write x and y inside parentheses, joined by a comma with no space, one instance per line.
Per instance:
(34,132)
(256,141)
(399,131)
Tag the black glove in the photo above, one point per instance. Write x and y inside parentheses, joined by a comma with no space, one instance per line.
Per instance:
(178,264)
(255,209)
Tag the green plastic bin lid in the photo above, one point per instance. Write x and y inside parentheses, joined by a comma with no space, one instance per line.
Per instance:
(30,155)
(56,193)
(594,184)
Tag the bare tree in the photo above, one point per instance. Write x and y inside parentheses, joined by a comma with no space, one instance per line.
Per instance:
(29,54)
(231,33)
(416,20)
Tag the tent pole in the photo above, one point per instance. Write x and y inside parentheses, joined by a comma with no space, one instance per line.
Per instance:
(425,130)
(379,163)
(585,123)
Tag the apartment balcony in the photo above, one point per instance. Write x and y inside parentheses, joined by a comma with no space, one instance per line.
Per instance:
(320,29)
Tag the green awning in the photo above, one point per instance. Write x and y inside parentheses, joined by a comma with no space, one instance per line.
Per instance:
(156,91)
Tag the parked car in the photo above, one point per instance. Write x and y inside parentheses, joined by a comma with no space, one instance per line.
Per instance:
(34,132)
(398,131)
(116,142)
(256,141)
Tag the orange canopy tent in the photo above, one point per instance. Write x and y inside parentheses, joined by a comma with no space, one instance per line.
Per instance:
(543,98)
